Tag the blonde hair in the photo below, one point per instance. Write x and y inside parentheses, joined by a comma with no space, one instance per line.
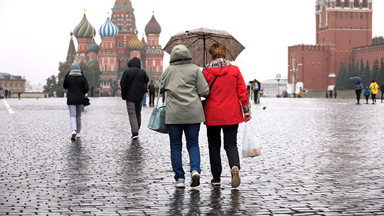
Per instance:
(217,50)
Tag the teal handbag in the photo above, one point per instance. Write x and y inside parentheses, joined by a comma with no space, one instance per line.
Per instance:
(157,119)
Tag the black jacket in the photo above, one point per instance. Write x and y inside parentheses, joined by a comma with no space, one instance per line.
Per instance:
(134,81)
(77,88)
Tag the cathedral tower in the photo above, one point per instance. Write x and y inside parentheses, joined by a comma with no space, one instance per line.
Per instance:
(84,33)
(153,52)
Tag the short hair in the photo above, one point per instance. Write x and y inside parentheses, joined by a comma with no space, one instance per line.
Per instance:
(217,50)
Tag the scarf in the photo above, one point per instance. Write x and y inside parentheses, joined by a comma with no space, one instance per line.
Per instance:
(218,63)
(75,72)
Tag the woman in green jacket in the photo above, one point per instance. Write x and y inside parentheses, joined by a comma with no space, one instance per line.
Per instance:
(184,84)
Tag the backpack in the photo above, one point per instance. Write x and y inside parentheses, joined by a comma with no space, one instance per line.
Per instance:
(366,92)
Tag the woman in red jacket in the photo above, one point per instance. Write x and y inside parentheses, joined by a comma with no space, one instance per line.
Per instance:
(224,108)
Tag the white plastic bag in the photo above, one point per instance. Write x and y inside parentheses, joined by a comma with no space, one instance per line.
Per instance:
(251,147)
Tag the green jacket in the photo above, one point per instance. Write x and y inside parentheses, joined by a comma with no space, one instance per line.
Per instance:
(184,85)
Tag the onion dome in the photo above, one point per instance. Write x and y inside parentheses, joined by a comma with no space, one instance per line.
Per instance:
(93,47)
(108,29)
(84,29)
(153,27)
(135,43)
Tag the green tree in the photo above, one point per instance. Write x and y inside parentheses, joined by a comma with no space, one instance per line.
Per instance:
(367,73)
(341,76)
(377,40)
(51,84)
(375,70)
(380,78)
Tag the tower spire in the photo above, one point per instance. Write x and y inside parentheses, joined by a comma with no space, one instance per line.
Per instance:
(71,54)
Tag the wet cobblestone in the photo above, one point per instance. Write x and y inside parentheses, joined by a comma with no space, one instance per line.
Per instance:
(319,157)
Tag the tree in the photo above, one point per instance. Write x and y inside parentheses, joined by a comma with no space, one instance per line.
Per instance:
(51,85)
(377,40)
(375,70)
(380,78)
(367,71)
(341,76)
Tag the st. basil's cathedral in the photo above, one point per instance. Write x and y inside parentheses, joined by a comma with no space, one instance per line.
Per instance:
(119,44)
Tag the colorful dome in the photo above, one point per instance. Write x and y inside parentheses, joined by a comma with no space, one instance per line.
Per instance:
(93,47)
(108,29)
(84,29)
(135,43)
(153,27)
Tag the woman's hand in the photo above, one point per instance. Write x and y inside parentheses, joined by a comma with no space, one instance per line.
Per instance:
(247,117)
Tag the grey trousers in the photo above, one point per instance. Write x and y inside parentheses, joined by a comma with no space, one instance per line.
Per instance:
(75,117)
(134,115)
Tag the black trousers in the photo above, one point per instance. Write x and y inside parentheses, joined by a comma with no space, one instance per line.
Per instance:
(230,146)
(358,93)
(151,98)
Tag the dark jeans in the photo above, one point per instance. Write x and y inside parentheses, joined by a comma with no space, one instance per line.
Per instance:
(366,98)
(373,98)
(358,94)
(256,96)
(151,98)
(191,131)
(230,146)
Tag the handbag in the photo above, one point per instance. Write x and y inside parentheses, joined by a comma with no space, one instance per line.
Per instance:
(157,119)
(210,88)
(86,101)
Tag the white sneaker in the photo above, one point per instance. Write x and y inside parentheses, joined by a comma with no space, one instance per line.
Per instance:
(73,135)
(195,178)
(180,183)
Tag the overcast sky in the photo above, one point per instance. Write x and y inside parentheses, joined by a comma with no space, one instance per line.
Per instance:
(35,35)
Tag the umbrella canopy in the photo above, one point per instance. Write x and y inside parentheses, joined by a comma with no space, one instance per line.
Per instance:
(198,42)
(355,80)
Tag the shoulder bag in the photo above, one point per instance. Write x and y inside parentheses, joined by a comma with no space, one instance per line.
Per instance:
(157,119)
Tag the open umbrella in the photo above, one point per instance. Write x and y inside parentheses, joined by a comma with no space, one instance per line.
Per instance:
(198,42)
(355,80)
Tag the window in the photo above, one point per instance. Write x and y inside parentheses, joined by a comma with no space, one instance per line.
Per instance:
(361,16)
(341,16)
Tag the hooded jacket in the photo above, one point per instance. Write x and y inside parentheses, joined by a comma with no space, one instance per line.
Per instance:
(184,84)
(374,88)
(134,81)
(227,96)
(77,86)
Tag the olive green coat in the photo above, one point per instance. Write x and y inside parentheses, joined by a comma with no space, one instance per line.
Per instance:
(184,84)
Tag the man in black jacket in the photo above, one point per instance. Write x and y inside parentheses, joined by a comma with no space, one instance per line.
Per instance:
(133,86)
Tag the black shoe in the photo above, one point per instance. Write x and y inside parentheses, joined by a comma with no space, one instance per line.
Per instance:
(135,136)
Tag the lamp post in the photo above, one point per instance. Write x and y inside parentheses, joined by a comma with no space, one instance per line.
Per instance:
(278,76)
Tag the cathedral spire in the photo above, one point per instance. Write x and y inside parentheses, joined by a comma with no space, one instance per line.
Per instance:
(71,51)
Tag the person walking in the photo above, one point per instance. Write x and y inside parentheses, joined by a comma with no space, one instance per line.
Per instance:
(374,87)
(77,86)
(133,86)
(152,90)
(366,94)
(358,89)
(382,92)
(256,88)
(223,112)
(184,84)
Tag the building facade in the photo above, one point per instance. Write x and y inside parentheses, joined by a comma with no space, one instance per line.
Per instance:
(119,44)
(343,31)
(12,83)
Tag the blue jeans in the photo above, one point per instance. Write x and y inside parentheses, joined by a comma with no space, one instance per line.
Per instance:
(75,117)
(191,132)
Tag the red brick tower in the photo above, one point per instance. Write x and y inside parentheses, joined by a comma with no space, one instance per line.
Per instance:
(341,25)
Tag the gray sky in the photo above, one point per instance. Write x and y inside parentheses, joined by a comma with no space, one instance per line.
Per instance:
(34,34)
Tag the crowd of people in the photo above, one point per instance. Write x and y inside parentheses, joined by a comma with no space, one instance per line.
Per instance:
(369,91)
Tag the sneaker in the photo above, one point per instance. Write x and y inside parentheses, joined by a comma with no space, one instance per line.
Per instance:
(215,182)
(195,178)
(235,177)
(135,136)
(73,135)
(180,183)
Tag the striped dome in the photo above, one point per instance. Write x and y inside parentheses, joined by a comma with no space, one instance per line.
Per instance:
(108,29)
(84,29)
(93,47)
(135,43)
(153,27)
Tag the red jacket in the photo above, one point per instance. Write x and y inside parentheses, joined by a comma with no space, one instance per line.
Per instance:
(227,96)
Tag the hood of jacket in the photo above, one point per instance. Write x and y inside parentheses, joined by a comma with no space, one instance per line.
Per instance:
(180,55)
(135,62)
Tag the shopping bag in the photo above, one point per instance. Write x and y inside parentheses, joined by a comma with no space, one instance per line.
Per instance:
(251,147)
(157,120)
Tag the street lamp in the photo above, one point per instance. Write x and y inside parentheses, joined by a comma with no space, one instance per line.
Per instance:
(278,76)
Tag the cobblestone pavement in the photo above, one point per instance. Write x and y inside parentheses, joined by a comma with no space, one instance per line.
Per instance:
(319,157)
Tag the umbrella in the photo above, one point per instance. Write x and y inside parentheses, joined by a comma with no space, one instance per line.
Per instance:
(198,42)
(355,80)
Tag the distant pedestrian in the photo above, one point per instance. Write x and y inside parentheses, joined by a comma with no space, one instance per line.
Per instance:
(226,107)
(145,96)
(248,89)
(133,86)
(6,93)
(256,89)
(366,94)
(77,86)
(374,88)
(185,84)
(152,90)
(358,89)
(335,93)
(330,93)
(382,92)
(19,95)
(326,94)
